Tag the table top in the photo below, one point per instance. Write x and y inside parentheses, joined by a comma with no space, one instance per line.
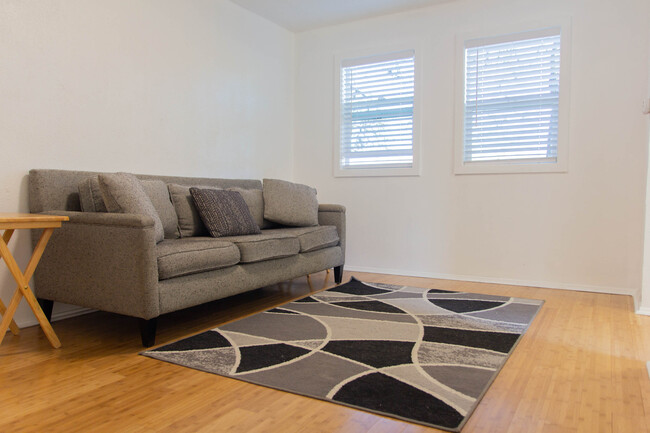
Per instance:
(11,221)
(30,217)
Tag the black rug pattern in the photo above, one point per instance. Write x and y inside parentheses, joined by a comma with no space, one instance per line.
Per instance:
(421,355)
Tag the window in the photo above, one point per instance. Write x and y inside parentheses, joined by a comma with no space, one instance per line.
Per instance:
(376,109)
(512,105)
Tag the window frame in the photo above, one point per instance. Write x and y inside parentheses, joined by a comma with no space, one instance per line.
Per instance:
(370,54)
(522,32)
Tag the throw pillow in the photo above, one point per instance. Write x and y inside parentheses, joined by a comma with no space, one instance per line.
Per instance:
(189,220)
(124,193)
(255,202)
(91,200)
(291,204)
(224,213)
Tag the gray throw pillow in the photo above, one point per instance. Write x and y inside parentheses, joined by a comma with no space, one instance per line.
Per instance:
(291,204)
(189,220)
(91,200)
(124,193)
(255,202)
(224,213)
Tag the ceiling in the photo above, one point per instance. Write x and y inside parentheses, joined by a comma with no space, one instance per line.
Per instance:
(301,15)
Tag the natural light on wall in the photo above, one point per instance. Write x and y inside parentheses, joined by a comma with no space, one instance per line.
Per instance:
(511,103)
(376,115)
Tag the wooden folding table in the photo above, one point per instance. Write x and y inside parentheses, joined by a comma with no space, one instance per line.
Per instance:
(10,222)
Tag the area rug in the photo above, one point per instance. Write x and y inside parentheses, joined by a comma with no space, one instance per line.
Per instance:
(420,355)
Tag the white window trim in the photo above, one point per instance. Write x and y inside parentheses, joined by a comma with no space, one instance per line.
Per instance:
(377,172)
(531,30)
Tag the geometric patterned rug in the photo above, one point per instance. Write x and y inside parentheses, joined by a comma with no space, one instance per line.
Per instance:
(420,355)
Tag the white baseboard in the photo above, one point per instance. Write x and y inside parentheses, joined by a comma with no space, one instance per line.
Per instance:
(65,314)
(636,297)
(506,281)
(78,311)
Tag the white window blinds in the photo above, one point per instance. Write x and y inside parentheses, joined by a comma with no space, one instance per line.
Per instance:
(376,111)
(512,97)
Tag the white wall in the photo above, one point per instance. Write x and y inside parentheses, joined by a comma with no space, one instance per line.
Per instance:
(582,229)
(179,87)
(642,300)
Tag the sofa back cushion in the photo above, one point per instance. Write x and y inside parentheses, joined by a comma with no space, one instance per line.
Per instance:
(290,204)
(90,196)
(159,196)
(52,189)
(189,220)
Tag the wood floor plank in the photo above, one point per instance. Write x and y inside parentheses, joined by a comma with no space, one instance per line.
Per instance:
(581,367)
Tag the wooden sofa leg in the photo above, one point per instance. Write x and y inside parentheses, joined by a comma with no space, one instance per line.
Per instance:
(148,331)
(46,306)
(338,274)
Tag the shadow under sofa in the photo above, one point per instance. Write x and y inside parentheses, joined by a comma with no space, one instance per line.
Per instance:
(111,261)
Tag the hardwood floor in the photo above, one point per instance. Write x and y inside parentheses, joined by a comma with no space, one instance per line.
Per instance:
(581,367)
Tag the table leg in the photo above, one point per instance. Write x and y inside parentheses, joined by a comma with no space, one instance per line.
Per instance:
(6,236)
(12,324)
(9,314)
(22,279)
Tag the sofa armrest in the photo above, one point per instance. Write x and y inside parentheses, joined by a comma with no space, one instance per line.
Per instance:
(105,218)
(104,261)
(333,215)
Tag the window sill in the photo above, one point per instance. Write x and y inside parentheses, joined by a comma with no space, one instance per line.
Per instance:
(509,167)
(376,172)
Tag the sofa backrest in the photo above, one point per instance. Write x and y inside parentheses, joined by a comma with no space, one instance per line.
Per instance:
(51,189)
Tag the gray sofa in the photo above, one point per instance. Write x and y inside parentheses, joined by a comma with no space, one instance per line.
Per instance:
(111,261)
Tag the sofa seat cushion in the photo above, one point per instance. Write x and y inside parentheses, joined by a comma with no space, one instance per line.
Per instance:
(186,256)
(266,246)
(311,238)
